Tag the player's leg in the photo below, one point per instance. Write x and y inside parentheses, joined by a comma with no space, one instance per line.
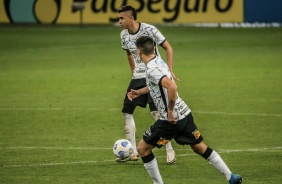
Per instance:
(170,153)
(215,160)
(127,114)
(149,160)
(192,136)
(129,130)
(159,134)
(129,125)
(213,157)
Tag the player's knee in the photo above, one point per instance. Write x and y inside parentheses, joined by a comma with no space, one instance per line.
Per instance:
(142,150)
(139,150)
(199,148)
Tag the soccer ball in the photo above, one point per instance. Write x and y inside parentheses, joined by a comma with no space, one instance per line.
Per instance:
(122,148)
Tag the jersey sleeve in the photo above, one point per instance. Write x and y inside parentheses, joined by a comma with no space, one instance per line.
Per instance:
(122,38)
(157,36)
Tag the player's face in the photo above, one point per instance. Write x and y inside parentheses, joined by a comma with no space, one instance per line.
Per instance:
(125,19)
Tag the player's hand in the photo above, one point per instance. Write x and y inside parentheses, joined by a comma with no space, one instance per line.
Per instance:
(174,77)
(133,94)
(171,118)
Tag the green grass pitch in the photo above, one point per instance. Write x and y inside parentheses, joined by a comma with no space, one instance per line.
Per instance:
(62,88)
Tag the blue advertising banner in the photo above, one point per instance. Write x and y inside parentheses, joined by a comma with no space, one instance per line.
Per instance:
(263,11)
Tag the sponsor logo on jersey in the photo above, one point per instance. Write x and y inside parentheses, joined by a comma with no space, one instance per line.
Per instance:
(162,141)
(196,134)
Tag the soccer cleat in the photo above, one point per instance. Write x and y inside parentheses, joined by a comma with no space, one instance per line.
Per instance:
(170,156)
(235,179)
(131,158)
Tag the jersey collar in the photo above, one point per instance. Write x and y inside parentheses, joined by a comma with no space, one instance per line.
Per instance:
(139,26)
(152,59)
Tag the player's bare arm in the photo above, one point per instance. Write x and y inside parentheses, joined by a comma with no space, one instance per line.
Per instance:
(130,61)
(135,93)
(172,95)
(169,57)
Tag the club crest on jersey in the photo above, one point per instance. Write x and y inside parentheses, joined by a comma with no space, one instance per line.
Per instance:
(196,134)
(162,141)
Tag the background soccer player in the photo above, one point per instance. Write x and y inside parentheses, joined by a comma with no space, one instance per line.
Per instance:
(131,31)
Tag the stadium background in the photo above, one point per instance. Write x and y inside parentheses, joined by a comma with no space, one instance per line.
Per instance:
(150,11)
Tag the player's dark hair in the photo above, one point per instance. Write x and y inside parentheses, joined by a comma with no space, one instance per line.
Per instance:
(145,44)
(128,8)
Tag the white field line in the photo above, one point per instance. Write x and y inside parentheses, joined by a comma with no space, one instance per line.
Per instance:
(222,151)
(240,114)
(273,149)
(51,164)
(54,148)
(113,109)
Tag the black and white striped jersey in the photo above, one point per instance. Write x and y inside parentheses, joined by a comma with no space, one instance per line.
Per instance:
(128,41)
(156,70)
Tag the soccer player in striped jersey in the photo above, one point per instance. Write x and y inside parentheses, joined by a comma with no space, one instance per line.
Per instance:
(132,30)
(176,120)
